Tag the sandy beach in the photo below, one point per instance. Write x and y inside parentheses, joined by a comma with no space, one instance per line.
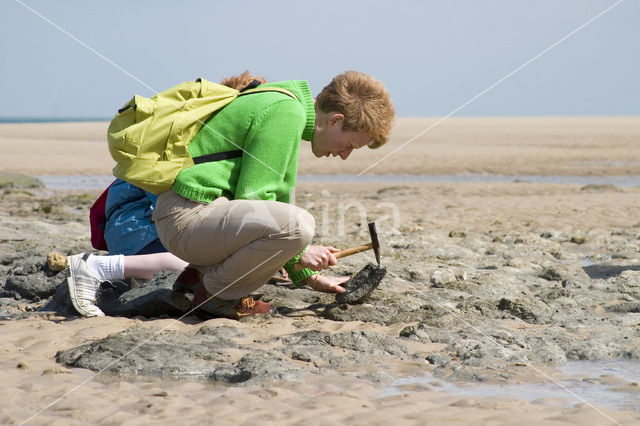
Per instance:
(544,146)
(497,283)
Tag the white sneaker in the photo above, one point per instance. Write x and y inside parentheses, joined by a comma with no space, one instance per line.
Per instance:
(83,286)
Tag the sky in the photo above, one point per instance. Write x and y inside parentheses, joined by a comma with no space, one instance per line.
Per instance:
(84,59)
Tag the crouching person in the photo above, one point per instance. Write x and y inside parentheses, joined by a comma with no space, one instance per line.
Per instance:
(231,219)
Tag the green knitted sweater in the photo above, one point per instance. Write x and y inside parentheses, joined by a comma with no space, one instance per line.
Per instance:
(268,126)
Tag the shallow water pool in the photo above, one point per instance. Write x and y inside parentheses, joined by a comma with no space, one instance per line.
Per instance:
(102,181)
(607,383)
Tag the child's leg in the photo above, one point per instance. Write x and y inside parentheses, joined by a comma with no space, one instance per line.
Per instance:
(145,266)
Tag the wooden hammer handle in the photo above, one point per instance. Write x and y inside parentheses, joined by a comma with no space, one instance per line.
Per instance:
(353,250)
(338,255)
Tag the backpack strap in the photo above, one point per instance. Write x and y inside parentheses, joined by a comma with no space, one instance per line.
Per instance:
(237,153)
(218,156)
(252,85)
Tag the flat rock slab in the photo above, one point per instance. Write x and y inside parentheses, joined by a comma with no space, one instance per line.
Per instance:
(361,285)
(213,354)
(172,354)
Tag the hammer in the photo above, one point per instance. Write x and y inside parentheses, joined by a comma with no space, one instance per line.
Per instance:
(374,244)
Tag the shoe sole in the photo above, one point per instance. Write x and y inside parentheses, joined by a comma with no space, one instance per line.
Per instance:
(182,300)
(182,296)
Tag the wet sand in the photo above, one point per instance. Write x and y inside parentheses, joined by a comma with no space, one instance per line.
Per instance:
(426,228)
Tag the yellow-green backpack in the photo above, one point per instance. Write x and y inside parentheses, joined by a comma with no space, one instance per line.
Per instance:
(148,137)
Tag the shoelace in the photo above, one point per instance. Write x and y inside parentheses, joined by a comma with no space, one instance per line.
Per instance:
(247,304)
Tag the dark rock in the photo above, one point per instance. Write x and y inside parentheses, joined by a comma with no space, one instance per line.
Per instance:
(31,281)
(438,360)
(366,313)
(554,293)
(220,332)
(361,285)
(153,299)
(529,310)
(427,334)
(60,303)
(564,273)
(416,332)
(256,367)
(457,234)
(551,274)
(578,239)
(484,307)
(625,307)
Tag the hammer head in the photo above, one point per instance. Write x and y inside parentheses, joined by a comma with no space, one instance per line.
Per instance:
(374,241)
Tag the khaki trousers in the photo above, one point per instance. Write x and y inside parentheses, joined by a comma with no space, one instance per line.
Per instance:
(237,245)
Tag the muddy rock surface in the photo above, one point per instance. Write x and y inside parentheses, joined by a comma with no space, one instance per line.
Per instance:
(167,353)
(218,354)
(470,304)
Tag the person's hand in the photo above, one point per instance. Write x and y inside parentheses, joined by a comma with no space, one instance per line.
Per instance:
(325,284)
(284,274)
(318,258)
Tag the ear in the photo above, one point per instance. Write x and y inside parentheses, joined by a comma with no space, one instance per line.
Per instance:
(335,118)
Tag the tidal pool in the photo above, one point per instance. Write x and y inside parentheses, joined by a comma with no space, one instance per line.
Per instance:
(102,181)
(608,383)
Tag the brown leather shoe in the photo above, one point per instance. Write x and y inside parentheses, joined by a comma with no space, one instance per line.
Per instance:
(184,288)
(213,307)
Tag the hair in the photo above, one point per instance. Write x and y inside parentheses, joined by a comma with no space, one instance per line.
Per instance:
(364,102)
(241,81)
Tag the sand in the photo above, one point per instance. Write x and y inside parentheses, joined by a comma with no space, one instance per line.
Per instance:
(38,390)
(529,146)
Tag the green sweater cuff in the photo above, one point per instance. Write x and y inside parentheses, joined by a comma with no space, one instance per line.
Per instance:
(298,276)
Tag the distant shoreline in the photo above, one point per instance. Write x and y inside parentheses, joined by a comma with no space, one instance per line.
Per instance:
(14,120)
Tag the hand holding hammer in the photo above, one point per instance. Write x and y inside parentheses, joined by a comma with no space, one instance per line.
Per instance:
(373,245)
